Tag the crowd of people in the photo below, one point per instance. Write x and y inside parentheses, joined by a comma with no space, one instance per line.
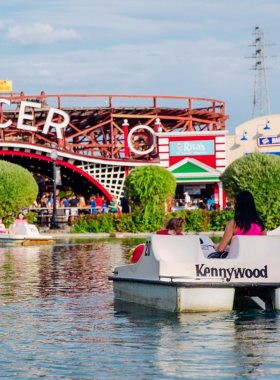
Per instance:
(207,204)
(75,205)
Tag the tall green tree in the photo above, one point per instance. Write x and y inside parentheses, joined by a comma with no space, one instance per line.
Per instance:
(259,174)
(149,188)
(18,189)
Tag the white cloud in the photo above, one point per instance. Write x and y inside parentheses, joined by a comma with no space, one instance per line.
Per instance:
(39,34)
(183,47)
(44,73)
(205,68)
(5,22)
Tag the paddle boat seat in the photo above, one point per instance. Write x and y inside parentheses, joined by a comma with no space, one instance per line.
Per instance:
(276,231)
(26,229)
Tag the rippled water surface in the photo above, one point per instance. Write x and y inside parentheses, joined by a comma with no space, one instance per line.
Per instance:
(59,320)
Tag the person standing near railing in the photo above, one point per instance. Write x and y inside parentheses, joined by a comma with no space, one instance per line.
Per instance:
(93,204)
(64,202)
(113,206)
(82,203)
(42,213)
(105,208)
(99,202)
(74,204)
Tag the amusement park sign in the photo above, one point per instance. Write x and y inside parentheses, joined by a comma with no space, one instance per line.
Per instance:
(192,148)
(268,141)
(49,123)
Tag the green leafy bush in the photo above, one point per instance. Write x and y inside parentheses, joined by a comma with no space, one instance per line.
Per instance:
(31,217)
(195,221)
(219,219)
(18,189)
(259,174)
(149,188)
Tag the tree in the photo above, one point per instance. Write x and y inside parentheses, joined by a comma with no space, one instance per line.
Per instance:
(18,189)
(260,174)
(150,187)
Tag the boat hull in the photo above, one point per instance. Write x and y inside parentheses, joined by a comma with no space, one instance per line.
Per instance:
(25,233)
(175,298)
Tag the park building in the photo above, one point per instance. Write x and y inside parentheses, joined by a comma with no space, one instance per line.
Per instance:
(261,135)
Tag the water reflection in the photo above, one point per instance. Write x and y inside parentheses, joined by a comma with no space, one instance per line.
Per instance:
(256,338)
(59,320)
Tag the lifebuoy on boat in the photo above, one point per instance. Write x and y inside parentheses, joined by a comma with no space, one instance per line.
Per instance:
(135,253)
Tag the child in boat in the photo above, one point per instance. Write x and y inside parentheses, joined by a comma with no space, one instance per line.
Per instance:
(246,220)
(3,229)
(20,220)
(173,226)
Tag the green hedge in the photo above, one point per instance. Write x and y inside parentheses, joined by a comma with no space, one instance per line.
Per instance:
(196,220)
(18,189)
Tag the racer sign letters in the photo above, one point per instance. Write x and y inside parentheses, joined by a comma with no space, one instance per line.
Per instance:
(49,123)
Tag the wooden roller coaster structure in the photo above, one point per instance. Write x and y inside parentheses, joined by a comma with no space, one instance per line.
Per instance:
(101,131)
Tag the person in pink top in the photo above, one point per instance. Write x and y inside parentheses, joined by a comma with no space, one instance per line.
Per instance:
(246,220)
(20,220)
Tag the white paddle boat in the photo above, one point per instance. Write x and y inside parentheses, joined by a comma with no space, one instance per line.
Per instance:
(27,234)
(174,273)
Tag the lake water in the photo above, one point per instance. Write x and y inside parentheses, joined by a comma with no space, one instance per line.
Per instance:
(59,320)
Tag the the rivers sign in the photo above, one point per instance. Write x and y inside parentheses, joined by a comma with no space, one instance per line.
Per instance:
(268,141)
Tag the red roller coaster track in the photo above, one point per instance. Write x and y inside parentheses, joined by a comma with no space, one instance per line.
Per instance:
(97,131)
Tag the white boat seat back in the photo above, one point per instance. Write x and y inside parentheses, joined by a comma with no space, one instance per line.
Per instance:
(176,248)
(26,230)
(164,255)
(274,232)
(255,249)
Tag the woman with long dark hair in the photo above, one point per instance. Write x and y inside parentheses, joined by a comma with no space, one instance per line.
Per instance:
(246,220)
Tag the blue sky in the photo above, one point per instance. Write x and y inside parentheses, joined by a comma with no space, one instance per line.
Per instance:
(146,47)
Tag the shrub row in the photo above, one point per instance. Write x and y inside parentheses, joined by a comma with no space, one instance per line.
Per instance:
(196,220)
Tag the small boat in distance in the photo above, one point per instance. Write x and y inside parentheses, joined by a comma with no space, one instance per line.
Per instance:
(175,273)
(26,234)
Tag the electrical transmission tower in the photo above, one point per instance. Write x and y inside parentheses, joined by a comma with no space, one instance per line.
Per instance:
(261,104)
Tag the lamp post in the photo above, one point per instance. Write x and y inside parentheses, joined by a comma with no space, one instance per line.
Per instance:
(54,223)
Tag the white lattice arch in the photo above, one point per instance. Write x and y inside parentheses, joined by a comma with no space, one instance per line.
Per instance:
(111,177)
